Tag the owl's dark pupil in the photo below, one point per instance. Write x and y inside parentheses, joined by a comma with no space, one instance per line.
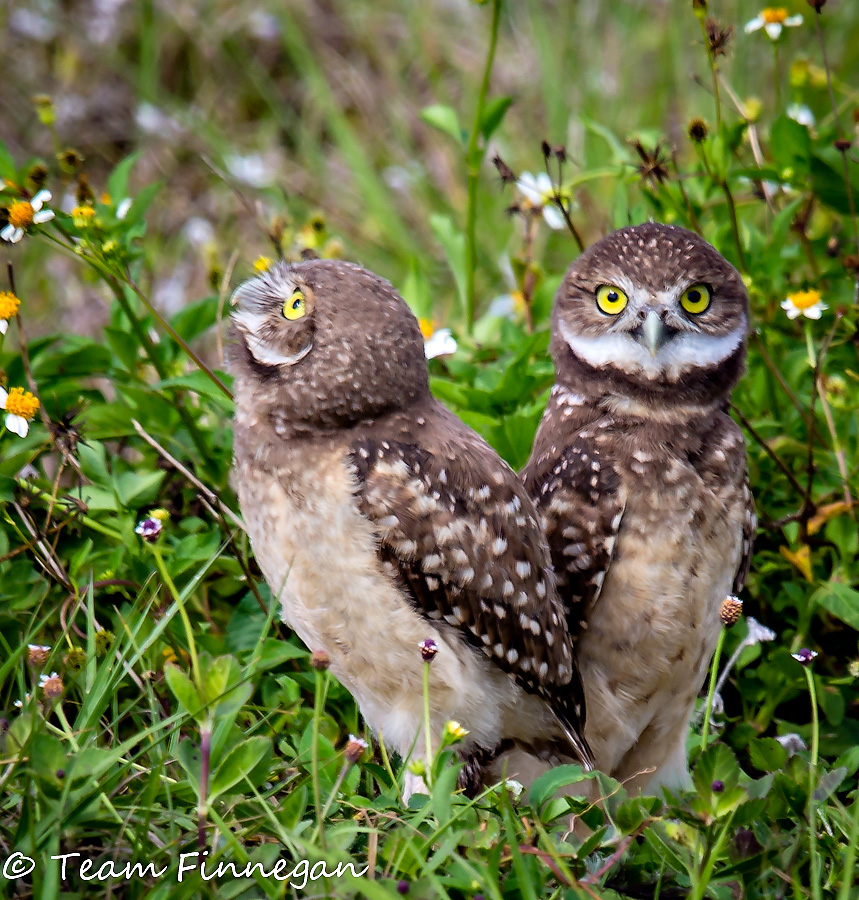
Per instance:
(613,296)
(296,304)
(694,296)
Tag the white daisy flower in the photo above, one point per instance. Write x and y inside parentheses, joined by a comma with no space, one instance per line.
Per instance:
(773,19)
(24,213)
(799,112)
(122,209)
(539,192)
(804,303)
(21,406)
(19,704)
(437,342)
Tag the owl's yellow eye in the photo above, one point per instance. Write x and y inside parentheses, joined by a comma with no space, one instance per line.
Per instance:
(696,299)
(611,300)
(295,307)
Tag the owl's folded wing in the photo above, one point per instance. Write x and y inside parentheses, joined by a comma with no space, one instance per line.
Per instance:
(580,497)
(463,540)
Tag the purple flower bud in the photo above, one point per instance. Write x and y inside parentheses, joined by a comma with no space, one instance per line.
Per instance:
(402,886)
(718,786)
(805,656)
(150,530)
(429,648)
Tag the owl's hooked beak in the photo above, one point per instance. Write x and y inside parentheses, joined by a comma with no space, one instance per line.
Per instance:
(653,333)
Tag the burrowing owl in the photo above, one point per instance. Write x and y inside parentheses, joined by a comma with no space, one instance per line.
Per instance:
(381,521)
(640,475)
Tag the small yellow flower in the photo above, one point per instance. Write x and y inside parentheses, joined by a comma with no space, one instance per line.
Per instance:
(24,213)
(804,303)
(82,216)
(801,559)
(9,306)
(21,406)
(773,19)
(262,264)
(453,732)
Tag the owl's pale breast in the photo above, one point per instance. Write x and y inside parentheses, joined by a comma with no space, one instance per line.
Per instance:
(650,635)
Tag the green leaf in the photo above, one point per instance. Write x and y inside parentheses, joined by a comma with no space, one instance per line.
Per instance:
(117,183)
(444,118)
(239,762)
(767,754)
(190,760)
(790,143)
(548,784)
(828,783)
(47,757)
(716,763)
(8,169)
(184,690)
(839,600)
(192,320)
(452,241)
(493,115)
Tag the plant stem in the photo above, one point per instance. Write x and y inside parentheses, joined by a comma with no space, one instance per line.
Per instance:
(186,622)
(427,733)
(816,867)
(776,75)
(205,758)
(711,693)
(473,160)
(314,752)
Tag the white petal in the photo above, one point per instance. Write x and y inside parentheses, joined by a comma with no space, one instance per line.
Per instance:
(544,184)
(793,21)
(17,425)
(503,307)
(122,209)
(16,236)
(40,198)
(755,25)
(7,232)
(802,114)
(41,217)
(3,395)
(442,343)
(553,216)
(792,311)
(527,184)
(757,632)
(813,312)
(773,29)
(4,326)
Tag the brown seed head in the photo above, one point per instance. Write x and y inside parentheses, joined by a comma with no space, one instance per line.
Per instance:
(851,263)
(817,5)
(354,749)
(429,648)
(37,655)
(731,610)
(698,131)
(718,38)
(508,176)
(52,685)
(320,660)
(843,144)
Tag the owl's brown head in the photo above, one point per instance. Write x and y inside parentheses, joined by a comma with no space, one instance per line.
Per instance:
(326,342)
(654,311)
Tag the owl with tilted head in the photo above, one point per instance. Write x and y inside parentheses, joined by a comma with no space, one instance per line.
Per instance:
(639,474)
(391,532)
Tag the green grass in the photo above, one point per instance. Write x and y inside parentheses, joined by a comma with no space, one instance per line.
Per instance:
(189,718)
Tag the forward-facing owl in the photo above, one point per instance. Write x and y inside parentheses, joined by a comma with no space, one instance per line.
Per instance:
(640,476)
(381,521)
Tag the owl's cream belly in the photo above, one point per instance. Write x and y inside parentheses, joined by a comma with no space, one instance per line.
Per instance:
(318,553)
(645,653)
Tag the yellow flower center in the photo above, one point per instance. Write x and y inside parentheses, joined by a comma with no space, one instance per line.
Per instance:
(21,403)
(262,264)
(9,305)
(774,15)
(82,214)
(804,299)
(426,328)
(20,214)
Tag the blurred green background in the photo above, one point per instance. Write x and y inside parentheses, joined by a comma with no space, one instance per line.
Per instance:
(247,111)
